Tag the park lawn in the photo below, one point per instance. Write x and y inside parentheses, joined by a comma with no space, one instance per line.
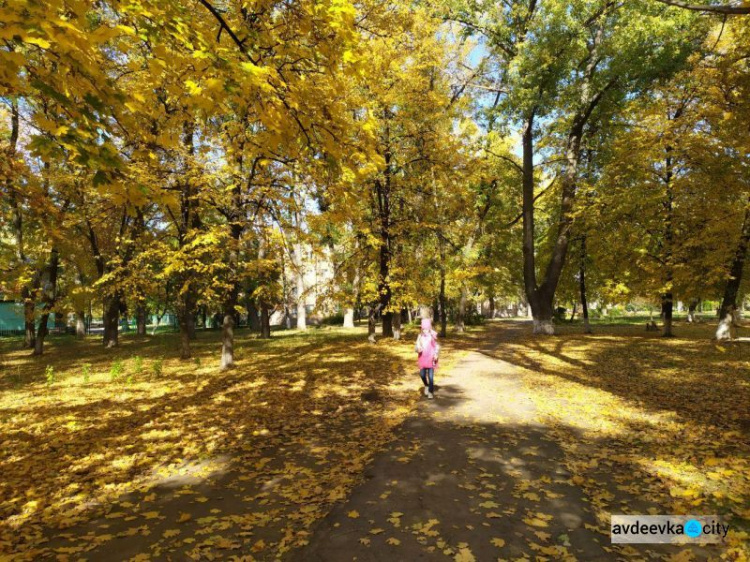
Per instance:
(647,421)
(139,441)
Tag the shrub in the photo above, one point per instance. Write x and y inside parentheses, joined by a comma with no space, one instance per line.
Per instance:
(335,320)
(116,370)
(49,375)
(86,372)
(156,368)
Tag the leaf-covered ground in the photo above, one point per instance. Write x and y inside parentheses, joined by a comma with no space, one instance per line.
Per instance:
(529,446)
(647,420)
(132,452)
(519,457)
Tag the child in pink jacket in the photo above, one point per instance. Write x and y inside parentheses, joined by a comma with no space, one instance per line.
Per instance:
(427,347)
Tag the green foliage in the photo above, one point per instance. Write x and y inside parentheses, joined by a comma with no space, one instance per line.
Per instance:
(116,370)
(156,368)
(86,372)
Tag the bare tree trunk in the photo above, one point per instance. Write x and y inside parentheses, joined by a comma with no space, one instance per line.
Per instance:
(111,320)
(667,299)
(441,296)
(384,288)
(265,321)
(301,309)
(140,319)
(492,307)
(349,318)
(191,326)
(692,306)
(461,316)
(227,337)
(582,287)
(28,316)
(80,324)
(185,351)
(253,320)
(371,323)
(397,326)
(49,297)
(727,311)
(667,306)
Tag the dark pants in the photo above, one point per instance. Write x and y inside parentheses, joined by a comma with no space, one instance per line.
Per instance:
(424,373)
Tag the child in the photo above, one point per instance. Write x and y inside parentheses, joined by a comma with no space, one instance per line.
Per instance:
(427,347)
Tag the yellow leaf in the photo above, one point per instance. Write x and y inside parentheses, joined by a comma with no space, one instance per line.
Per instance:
(353,514)
(464,555)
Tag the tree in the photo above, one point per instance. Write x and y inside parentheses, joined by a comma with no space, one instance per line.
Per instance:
(559,68)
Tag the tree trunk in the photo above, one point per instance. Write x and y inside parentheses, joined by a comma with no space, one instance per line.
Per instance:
(582,287)
(80,324)
(349,318)
(384,287)
(443,307)
(28,315)
(667,306)
(371,323)
(185,351)
(667,300)
(692,306)
(191,326)
(461,316)
(265,321)
(396,321)
(41,334)
(141,319)
(492,307)
(253,320)
(227,337)
(301,310)
(49,297)
(111,318)
(728,307)
(542,313)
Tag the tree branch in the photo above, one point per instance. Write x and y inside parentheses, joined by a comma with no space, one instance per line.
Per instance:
(743,9)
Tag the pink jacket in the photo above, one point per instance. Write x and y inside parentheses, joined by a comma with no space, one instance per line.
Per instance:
(426,359)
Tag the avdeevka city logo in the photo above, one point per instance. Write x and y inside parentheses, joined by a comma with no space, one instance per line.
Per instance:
(675,529)
(693,528)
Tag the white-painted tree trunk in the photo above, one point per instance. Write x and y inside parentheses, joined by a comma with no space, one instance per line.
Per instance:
(80,324)
(545,327)
(726,330)
(301,312)
(349,318)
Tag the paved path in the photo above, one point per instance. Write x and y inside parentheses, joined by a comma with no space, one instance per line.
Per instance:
(474,465)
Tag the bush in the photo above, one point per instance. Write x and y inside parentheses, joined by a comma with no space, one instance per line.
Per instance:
(156,368)
(335,320)
(473,318)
